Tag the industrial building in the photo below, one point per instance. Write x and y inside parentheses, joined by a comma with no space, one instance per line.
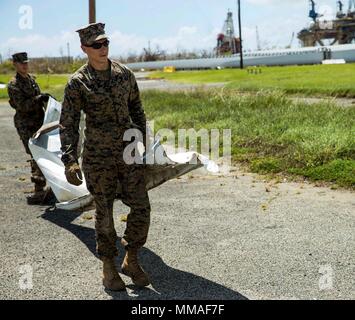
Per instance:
(339,31)
(227,42)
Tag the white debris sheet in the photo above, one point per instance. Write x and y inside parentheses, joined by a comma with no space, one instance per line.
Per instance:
(45,147)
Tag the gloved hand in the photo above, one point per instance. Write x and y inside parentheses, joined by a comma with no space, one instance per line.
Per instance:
(43,98)
(73,174)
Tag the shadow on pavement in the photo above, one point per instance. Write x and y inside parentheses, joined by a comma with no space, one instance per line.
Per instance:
(167,283)
(64,219)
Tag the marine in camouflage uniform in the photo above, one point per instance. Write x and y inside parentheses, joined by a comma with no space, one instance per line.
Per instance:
(26,98)
(110,100)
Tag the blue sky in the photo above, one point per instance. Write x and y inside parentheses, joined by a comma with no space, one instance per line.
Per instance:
(171,24)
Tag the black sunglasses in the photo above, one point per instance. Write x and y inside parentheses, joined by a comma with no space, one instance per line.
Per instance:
(98,45)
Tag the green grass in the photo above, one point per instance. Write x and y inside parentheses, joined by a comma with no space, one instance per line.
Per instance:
(330,80)
(316,80)
(336,170)
(270,133)
(54,84)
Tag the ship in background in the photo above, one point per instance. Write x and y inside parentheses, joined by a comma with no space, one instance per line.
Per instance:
(322,41)
(338,31)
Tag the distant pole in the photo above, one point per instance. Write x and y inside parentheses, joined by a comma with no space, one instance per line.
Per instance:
(92,11)
(68,50)
(240,37)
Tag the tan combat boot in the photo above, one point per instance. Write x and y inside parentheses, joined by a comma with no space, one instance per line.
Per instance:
(111,279)
(131,268)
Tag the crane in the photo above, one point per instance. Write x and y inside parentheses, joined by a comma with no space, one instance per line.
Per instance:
(258,44)
(312,13)
(351,6)
(291,42)
(340,13)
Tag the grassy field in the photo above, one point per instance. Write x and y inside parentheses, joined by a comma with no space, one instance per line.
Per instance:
(315,80)
(269,133)
(54,84)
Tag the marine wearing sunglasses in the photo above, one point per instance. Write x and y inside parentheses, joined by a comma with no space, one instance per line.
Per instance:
(98,53)
(98,45)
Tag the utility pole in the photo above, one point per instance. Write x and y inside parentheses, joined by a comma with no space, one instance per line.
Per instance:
(240,37)
(92,11)
(68,52)
(258,43)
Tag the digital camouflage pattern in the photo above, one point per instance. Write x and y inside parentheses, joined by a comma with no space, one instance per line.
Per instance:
(111,102)
(23,93)
(91,33)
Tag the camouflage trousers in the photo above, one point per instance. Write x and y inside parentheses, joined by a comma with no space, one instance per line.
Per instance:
(37,176)
(103,185)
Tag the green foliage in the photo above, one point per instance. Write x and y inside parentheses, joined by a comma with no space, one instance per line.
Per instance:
(340,171)
(269,131)
(331,80)
(7,67)
(52,74)
(50,83)
(266,165)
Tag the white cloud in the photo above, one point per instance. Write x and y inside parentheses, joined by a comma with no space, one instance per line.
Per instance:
(273,32)
(327,12)
(121,44)
(186,38)
(38,45)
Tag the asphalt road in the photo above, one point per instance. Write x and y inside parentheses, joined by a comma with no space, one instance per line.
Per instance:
(211,237)
(159,84)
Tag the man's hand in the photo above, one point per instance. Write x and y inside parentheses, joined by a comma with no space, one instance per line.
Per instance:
(73,174)
(43,98)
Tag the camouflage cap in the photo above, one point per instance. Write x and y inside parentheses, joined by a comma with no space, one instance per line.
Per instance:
(20,57)
(91,33)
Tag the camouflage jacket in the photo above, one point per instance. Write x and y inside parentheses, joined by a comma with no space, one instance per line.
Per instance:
(110,105)
(29,111)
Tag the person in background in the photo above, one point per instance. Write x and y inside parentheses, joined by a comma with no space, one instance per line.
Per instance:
(28,101)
